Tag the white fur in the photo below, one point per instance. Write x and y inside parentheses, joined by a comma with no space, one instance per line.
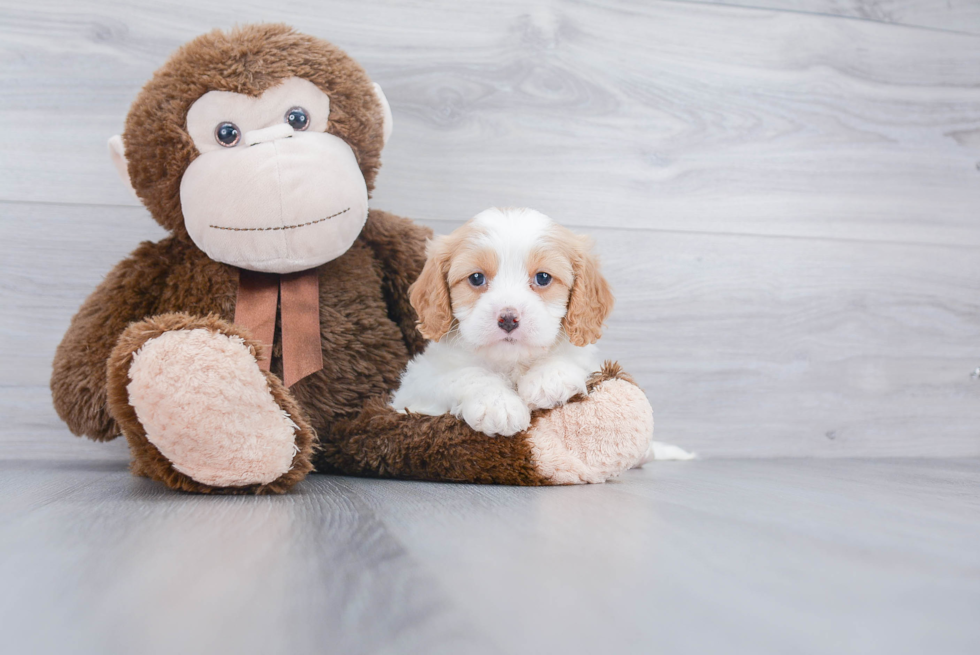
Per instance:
(484,375)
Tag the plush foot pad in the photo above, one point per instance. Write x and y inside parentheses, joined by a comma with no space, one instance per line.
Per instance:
(206,406)
(596,438)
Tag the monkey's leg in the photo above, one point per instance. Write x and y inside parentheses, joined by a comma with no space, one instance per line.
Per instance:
(199,413)
(590,439)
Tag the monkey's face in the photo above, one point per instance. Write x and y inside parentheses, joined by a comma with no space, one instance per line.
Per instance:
(260,145)
(271,190)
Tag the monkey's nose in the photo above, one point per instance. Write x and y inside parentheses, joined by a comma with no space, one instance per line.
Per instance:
(280,131)
(508,320)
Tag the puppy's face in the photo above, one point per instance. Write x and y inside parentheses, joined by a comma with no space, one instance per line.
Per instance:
(512,280)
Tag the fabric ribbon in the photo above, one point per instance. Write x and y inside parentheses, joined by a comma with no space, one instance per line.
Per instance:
(255,308)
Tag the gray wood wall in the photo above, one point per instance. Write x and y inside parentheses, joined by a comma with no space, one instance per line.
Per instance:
(786,195)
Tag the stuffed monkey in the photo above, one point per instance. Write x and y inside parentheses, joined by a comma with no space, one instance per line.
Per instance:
(260,338)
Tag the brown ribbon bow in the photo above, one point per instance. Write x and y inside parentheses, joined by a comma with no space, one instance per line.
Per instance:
(255,309)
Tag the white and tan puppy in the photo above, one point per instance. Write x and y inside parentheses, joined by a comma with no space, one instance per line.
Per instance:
(512,303)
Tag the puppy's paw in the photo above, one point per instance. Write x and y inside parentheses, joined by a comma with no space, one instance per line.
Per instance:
(496,412)
(547,386)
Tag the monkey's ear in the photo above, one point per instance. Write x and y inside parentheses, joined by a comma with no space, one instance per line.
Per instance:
(386,109)
(117,152)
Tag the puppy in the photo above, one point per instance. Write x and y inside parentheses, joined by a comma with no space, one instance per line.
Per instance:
(512,303)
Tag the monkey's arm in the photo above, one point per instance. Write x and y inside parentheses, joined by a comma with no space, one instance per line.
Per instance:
(78,380)
(399,248)
(592,438)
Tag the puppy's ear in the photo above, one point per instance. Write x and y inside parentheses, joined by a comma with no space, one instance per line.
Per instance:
(429,294)
(590,300)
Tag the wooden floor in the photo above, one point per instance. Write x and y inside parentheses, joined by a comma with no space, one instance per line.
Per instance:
(725,556)
(786,197)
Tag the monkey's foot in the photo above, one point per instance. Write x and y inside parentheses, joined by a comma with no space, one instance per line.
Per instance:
(202,415)
(595,437)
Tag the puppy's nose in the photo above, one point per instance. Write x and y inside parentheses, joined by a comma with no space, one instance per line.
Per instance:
(508,320)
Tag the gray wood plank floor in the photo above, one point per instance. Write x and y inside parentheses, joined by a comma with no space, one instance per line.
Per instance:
(761,556)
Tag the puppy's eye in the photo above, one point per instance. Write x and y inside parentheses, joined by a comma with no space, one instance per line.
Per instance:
(298,119)
(542,279)
(478,279)
(227,134)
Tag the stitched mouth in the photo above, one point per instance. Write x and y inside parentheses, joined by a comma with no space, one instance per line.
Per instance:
(281,227)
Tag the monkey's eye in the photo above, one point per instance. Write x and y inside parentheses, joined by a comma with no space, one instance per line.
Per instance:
(478,279)
(542,279)
(227,134)
(298,119)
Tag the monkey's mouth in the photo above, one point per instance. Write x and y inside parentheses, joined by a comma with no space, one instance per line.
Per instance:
(280,227)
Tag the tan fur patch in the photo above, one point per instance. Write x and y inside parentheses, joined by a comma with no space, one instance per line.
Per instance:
(451,259)
(468,258)
(552,260)
(429,294)
(591,300)
(467,261)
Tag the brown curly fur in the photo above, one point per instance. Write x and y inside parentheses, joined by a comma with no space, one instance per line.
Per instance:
(367,324)
(383,443)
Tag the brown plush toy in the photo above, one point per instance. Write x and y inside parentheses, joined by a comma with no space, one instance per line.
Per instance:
(261,337)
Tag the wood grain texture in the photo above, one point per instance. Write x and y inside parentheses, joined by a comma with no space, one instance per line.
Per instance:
(310,572)
(667,115)
(950,15)
(777,556)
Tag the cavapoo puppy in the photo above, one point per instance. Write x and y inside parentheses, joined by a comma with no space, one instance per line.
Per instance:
(512,303)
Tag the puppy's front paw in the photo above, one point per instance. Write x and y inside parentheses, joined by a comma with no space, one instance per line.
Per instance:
(548,386)
(496,412)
